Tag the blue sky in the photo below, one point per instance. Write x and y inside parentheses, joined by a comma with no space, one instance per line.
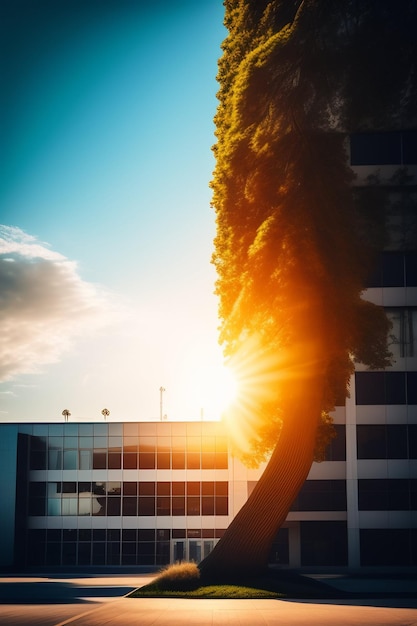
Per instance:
(106,236)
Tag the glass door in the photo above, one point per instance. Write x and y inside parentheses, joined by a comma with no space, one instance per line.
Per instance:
(194,548)
(207,547)
(179,551)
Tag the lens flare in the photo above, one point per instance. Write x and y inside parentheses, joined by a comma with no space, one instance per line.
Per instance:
(266,377)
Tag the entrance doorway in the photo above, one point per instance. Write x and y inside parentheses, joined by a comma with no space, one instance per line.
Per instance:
(191,549)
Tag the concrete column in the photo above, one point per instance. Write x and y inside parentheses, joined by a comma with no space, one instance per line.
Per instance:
(352,480)
(294,545)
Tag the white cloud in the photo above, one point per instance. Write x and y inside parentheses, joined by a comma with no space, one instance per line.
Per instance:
(44,304)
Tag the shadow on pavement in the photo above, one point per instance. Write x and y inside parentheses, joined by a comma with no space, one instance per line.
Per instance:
(57,592)
(400,601)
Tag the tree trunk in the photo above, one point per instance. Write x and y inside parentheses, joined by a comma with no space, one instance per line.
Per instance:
(246,544)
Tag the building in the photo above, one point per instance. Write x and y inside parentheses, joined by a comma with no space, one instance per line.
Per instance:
(142,493)
(381,415)
(150,493)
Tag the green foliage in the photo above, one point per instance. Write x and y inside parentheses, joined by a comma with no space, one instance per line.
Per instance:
(292,249)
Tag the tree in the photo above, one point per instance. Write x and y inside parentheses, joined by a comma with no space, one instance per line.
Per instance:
(292,251)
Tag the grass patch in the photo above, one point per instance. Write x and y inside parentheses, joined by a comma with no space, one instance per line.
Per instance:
(182,581)
(206,591)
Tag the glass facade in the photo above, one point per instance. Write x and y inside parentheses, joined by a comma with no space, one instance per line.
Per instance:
(115,546)
(139,494)
(181,491)
(98,447)
(88,492)
(128,498)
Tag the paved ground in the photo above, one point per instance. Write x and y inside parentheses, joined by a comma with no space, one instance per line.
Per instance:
(99,601)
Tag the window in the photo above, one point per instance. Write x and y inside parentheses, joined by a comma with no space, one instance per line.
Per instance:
(385,388)
(37,459)
(163,460)
(163,500)
(130,488)
(85,430)
(370,388)
(147,452)
(388,547)
(115,460)
(323,543)
(389,148)
(394,269)
(70,459)
(336,450)
(69,506)
(37,498)
(84,553)
(193,498)
(55,459)
(412,441)
(130,460)
(409,140)
(221,458)
(70,442)
(130,506)
(99,458)
(380,441)
(375,148)
(389,494)
(99,554)
(85,459)
(411,269)
(178,452)
(163,505)
(411,385)
(321,495)
(84,498)
(146,460)
(402,340)
(144,498)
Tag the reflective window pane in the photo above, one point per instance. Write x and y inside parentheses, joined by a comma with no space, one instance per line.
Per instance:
(70,459)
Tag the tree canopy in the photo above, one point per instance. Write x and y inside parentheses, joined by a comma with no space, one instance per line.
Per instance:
(293,250)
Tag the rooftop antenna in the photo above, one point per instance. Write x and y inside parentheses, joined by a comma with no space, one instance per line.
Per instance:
(66,414)
(161,392)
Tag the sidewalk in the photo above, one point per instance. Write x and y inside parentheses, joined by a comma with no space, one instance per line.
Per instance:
(179,612)
(378,608)
(91,601)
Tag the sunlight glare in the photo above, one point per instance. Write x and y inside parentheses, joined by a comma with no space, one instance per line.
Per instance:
(217,388)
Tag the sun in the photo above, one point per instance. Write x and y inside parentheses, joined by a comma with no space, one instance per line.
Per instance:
(217,388)
(224,386)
